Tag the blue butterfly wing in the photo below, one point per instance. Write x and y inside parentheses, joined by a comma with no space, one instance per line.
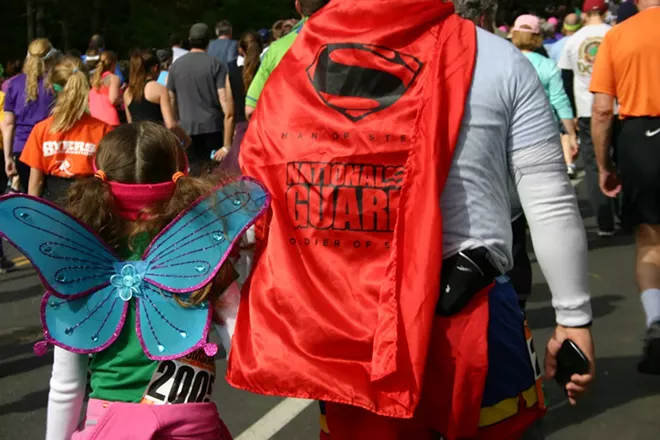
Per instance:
(189,252)
(70,259)
(166,329)
(83,325)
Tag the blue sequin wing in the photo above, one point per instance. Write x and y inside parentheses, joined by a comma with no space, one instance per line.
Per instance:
(166,329)
(187,254)
(70,259)
(88,324)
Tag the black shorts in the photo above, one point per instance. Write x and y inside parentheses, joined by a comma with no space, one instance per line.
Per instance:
(638,160)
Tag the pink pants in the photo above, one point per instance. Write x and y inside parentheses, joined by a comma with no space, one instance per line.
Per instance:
(133,421)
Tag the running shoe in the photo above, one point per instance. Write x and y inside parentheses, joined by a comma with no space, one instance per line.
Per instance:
(605,234)
(6,265)
(650,363)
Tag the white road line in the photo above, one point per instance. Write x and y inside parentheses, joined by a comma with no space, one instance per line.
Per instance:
(275,419)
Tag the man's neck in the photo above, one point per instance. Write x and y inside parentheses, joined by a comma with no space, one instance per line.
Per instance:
(198,50)
(223,37)
(591,21)
(648,5)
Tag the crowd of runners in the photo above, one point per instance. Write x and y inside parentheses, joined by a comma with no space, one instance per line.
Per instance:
(384,175)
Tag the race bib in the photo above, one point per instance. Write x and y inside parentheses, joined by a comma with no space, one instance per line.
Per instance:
(186,380)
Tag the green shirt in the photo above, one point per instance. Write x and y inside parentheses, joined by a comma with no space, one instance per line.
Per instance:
(271,60)
(122,372)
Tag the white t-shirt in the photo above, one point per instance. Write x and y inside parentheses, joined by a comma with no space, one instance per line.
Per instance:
(579,55)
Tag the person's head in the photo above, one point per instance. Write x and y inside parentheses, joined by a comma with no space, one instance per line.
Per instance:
(96,43)
(144,65)
(286,29)
(107,63)
(547,29)
(308,7)
(199,36)
(14,67)
(480,12)
(526,33)
(250,48)
(144,153)
(68,79)
(572,24)
(645,4)
(164,58)
(223,29)
(276,31)
(176,40)
(594,11)
(626,10)
(40,56)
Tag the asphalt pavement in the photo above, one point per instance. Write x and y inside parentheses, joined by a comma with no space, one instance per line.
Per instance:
(622,405)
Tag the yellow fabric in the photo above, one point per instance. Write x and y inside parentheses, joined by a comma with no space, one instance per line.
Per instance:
(507,408)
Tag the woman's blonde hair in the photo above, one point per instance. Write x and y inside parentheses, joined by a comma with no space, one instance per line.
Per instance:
(39,51)
(69,79)
(106,61)
(526,40)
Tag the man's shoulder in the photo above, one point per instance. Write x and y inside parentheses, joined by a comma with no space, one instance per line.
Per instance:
(493,46)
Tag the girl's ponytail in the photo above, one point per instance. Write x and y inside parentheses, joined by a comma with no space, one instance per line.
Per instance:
(35,66)
(105,63)
(69,80)
(251,45)
(137,77)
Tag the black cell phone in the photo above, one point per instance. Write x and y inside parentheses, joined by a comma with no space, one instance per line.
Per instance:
(570,360)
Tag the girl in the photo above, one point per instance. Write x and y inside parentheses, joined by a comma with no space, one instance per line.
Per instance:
(526,36)
(62,147)
(27,102)
(106,90)
(148,100)
(237,83)
(140,187)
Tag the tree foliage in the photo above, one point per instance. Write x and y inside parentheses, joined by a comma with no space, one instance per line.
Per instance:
(126,24)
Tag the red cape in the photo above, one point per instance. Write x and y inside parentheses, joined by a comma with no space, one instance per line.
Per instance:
(353,136)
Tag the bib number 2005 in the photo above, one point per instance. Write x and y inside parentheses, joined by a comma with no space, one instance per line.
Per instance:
(178,382)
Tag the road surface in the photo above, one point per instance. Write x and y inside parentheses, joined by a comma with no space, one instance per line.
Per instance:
(622,405)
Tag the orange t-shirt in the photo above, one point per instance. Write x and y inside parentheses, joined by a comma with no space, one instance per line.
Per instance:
(65,154)
(628,65)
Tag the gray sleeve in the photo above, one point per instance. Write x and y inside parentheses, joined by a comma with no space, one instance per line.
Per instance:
(532,119)
(557,229)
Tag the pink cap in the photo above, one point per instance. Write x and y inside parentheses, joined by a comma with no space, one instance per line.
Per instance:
(531,24)
(503,28)
(553,21)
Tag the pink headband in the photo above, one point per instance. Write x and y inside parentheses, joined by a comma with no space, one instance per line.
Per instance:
(132,199)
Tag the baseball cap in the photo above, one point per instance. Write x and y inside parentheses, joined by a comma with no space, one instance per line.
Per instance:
(163,55)
(199,31)
(594,5)
(531,22)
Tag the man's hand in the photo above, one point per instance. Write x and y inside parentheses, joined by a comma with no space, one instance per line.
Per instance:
(582,338)
(10,167)
(609,182)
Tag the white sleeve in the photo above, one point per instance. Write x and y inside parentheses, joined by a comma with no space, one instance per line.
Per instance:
(557,229)
(67,391)
(564,59)
(226,309)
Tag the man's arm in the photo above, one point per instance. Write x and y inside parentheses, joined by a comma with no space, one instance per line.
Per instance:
(550,205)
(602,117)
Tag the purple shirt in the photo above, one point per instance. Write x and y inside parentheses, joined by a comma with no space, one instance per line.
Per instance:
(27,115)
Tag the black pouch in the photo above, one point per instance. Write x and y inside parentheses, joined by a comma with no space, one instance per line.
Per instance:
(463,276)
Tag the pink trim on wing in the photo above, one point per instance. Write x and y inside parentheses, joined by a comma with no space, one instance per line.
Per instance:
(227,253)
(48,339)
(42,278)
(197,346)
